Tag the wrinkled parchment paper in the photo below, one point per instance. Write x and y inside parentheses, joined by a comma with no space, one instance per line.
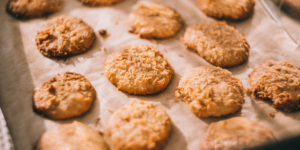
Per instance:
(22,67)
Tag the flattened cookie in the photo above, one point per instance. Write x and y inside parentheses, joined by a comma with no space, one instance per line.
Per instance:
(99,2)
(227,9)
(139,126)
(235,133)
(24,9)
(64,96)
(292,7)
(152,20)
(72,136)
(278,82)
(64,37)
(211,91)
(138,70)
(217,42)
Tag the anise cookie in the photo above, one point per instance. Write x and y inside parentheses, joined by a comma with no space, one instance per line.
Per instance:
(217,42)
(235,133)
(152,20)
(64,36)
(72,136)
(138,126)
(211,91)
(227,9)
(64,96)
(278,82)
(292,7)
(99,2)
(138,70)
(24,9)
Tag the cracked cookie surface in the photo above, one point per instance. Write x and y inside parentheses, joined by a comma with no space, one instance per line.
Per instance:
(278,82)
(211,91)
(217,42)
(64,96)
(64,37)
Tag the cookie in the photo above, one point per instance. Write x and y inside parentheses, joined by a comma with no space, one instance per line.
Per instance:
(217,42)
(72,136)
(99,2)
(64,96)
(227,9)
(24,9)
(139,126)
(235,133)
(278,82)
(211,91)
(151,20)
(64,37)
(292,7)
(138,70)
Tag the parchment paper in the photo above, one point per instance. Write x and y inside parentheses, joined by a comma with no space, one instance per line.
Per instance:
(22,67)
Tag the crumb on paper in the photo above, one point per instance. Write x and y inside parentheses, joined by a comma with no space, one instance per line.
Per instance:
(131,30)
(102,73)
(100,132)
(248,66)
(154,41)
(272,115)
(97,121)
(117,23)
(165,50)
(171,39)
(111,111)
(102,32)
(102,48)
(180,55)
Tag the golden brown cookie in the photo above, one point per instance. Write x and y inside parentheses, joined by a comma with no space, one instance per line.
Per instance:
(278,82)
(72,136)
(217,42)
(211,91)
(139,126)
(151,20)
(138,70)
(292,7)
(24,9)
(99,2)
(227,9)
(64,37)
(64,96)
(235,134)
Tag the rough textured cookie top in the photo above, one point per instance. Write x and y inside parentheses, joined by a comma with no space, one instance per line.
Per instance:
(217,42)
(279,82)
(99,2)
(138,70)
(154,21)
(24,9)
(64,96)
(73,136)
(64,36)
(235,133)
(139,126)
(211,91)
(227,9)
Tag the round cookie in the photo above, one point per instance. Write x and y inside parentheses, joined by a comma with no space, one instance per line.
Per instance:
(139,126)
(292,7)
(24,9)
(217,42)
(138,70)
(64,37)
(211,91)
(99,2)
(64,96)
(151,20)
(235,133)
(72,136)
(227,9)
(278,82)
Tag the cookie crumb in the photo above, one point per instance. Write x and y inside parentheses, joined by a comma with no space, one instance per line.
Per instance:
(102,73)
(97,121)
(154,41)
(117,23)
(180,55)
(111,111)
(272,115)
(248,66)
(102,32)
(100,132)
(165,50)
(131,30)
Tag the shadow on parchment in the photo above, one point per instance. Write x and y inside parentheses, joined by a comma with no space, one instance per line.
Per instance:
(176,140)
(16,86)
